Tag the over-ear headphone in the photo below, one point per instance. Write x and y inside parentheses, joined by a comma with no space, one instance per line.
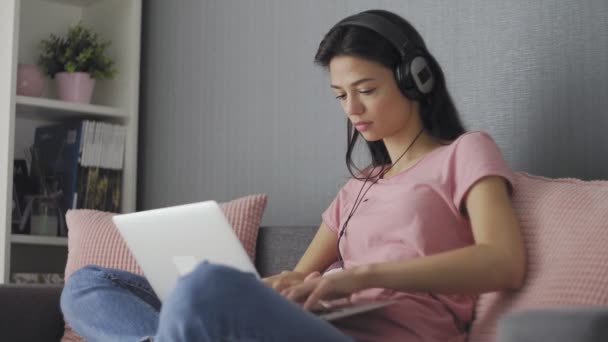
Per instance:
(413,73)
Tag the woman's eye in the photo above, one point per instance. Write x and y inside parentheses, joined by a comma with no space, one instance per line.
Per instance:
(364,92)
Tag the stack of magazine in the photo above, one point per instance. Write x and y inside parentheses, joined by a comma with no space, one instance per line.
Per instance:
(102,149)
(86,158)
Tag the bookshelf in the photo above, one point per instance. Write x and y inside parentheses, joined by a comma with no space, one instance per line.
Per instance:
(41,108)
(39,240)
(23,24)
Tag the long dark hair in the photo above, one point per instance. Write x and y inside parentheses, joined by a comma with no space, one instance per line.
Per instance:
(439,115)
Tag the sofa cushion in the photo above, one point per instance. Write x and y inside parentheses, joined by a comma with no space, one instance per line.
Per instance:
(565,228)
(579,323)
(94,239)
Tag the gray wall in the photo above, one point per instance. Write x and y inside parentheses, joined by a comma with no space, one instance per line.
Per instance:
(232,103)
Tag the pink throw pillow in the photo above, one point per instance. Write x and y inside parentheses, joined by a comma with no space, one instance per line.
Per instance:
(565,228)
(94,239)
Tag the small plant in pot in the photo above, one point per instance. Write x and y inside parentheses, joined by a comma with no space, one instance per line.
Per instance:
(76,61)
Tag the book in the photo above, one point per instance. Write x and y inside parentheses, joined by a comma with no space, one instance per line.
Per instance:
(58,149)
(37,278)
(85,158)
(100,169)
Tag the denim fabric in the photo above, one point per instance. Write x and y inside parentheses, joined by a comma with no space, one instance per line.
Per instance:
(213,303)
(103,304)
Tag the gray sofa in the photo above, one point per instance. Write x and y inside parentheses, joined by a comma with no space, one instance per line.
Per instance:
(31,313)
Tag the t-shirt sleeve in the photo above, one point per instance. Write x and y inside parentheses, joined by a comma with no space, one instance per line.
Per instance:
(476,156)
(332,216)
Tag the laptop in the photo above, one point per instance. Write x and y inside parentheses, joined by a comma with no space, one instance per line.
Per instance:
(170,242)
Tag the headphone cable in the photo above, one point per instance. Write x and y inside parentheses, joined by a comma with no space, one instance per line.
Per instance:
(358,201)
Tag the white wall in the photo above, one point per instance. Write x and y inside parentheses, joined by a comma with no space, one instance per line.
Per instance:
(232,103)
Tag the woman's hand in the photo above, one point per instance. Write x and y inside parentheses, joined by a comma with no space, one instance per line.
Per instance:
(287,279)
(332,286)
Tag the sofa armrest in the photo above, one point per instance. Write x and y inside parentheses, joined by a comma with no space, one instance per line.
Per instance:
(30,313)
(581,324)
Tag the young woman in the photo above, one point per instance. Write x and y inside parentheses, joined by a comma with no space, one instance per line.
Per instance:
(429,223)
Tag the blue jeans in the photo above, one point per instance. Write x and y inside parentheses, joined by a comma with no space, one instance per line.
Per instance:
(213,303)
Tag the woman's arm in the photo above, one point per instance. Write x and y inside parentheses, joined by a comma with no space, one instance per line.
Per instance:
(321,252)
(495,262)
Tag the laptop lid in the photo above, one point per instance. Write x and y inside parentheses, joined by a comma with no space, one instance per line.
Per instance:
(169,242)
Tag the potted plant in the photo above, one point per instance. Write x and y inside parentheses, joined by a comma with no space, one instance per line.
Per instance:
(76,61)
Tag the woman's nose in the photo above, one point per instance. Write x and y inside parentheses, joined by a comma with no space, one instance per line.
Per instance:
(353,106)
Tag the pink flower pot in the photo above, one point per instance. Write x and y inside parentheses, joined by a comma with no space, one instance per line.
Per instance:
(30,81)
(75,86)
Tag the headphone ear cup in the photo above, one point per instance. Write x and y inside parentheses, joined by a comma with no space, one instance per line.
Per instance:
(421,75)
(405,82)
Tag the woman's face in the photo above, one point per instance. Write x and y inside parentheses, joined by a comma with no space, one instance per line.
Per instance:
(370,97)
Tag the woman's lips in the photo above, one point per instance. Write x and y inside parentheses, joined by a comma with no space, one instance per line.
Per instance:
(362,126)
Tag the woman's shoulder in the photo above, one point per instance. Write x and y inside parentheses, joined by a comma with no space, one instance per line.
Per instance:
(471,141)
(476,147)
(473,137)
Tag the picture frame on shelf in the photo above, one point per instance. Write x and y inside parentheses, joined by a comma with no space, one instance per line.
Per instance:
(22,182)
(22,187)
(16,210)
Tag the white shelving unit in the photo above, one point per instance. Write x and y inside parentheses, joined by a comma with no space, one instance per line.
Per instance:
(39,240)
(43,108)
(23,24)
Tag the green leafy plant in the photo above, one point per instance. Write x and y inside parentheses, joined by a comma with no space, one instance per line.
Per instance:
(81,51)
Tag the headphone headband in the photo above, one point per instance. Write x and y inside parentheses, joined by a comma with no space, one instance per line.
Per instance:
(380,25)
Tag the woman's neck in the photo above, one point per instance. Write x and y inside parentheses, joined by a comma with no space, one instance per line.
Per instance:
(421,146)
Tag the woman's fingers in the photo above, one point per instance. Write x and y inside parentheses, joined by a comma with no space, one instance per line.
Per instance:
(313,288)
(311,292)
(283,280)
(308,292)
(270,280)
(312,275)
(317,294)
(284,283)
(299,292)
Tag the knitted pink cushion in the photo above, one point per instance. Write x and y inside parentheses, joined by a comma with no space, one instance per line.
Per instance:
(565,228)
(93,238)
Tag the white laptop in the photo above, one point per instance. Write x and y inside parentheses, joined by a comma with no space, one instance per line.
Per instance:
(170,242)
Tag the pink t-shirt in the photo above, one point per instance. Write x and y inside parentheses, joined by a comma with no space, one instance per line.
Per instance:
(415,213)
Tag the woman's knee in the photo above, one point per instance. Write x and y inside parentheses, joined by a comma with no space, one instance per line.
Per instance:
(86,272)
(218,280)
(200,298)
(218,272)
(82,279)
(211,285)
